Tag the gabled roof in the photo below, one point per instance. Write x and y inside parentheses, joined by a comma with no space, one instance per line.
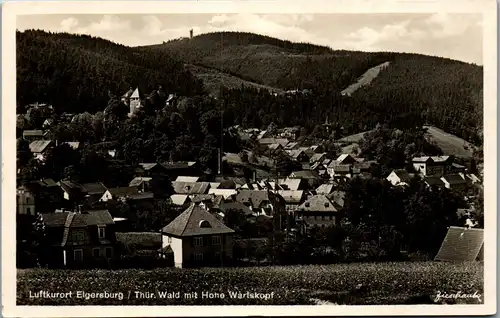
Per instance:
(337,197)
(291,197)
(69,186)
(433,181)
(340,168)
(59,219)
(39,146)
(179,199)
(214,185)
(345,157)
(94,188)
(141,196)
(252,197)
(187,179)
(274,146)
(453,179)
(197,198)
(316,157)
(461,244)
(325,189)
(422,159)
(148,166)
(402,174)
(196,221)
(291,145)
(225,206)
(73,144)
(226,193)
(304,174)
(137,181)
(318,203)
(132,93)
(122,191)
(439,159)
(178,165)
(290,184)
(32,133)
(190,187)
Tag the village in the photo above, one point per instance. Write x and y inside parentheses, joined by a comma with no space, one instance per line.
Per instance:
(226,218)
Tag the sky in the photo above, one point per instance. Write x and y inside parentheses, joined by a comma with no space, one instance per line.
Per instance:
(455,36)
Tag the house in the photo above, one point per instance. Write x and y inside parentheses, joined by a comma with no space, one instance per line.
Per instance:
(181,187)
(258,200)
(32,135)
(433,181)
(399,177)
(226,193)
(291,146)
(224,207)
(339,171)
(40,147)
(346,159)
(141,183)
(141,202)
(48,195)
(263,134)
(461,244)
(132,99)
(325,189)
(310,176)
(149,169)
(204,200)
(290,132)
(293,184)
(94,191)
(187,179)
(454,182)
(198,238)
(429,166)
(25,201)
(47,123)
(298,155)
(119,193)
(275,147)
(73,144)
(72,191)
(318,211)
(79,240)
(293,199)
(317,158)
(180,200)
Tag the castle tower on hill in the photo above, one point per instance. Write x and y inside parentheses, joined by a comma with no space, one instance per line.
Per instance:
(133,100)
(191,33)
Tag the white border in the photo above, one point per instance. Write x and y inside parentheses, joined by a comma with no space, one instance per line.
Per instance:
(11,10)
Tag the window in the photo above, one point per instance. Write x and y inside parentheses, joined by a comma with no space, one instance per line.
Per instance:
(216,240)
(331,217)
(96,252)
(169,240)
(198,241)
(323,218)
(198,256)
(27,200)
(217,255)
(77,235)
(28,211)
(109,252)
(78,255)
(102,233)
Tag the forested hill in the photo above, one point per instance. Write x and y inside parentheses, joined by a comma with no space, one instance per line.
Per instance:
(75,73)
(413,88)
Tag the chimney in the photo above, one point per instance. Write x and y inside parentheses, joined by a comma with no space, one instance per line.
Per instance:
(191,33)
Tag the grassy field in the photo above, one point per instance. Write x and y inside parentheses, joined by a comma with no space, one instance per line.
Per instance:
(351,284)
(449,144)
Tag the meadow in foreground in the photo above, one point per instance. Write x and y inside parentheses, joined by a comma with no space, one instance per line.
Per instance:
(343,284)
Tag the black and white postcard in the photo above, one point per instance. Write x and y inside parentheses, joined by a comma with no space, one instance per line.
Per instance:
(249,158)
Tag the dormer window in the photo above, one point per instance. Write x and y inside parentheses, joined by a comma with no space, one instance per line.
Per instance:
(327,204)
(204,224)
(188,188)
(102,232)
(307,204)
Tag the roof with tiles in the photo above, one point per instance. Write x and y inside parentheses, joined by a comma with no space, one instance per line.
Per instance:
(194,221)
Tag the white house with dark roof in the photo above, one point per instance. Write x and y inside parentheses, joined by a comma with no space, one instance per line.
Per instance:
(39,147)
(454,182)
(318,210)
(399,177)
(198,238)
